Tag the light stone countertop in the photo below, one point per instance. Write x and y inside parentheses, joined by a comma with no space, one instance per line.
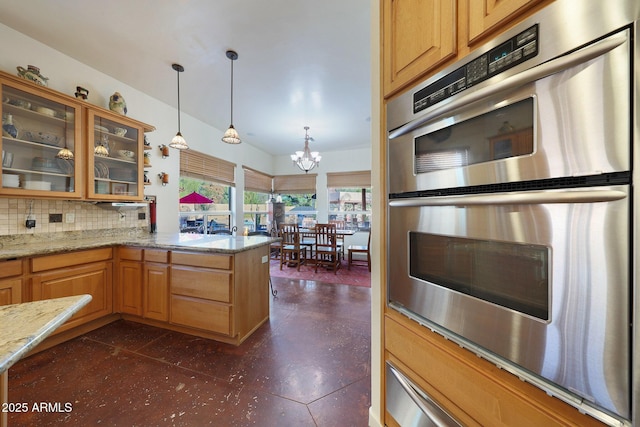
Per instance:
(24,326)
(34,246)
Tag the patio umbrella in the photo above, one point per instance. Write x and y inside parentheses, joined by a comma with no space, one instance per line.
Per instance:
(195,198)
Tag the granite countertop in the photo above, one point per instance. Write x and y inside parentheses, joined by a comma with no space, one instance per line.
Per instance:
(63,242)
(24,326)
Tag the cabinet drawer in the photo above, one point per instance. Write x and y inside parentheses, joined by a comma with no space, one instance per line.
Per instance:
(131,254)
(201,314)
(202,260)
(71,258)
(155,255)
(10,268)
(200,283)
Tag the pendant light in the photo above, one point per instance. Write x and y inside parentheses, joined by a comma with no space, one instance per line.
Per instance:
(231,135)
(178,141)
(65,153)
(306,159)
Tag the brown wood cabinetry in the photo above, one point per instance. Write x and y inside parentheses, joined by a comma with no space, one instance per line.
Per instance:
(75,273)
(227,295)
(417,36)
(421,36)
(143,283)
(156,285)
(129,285)
(38,123)
(11,280)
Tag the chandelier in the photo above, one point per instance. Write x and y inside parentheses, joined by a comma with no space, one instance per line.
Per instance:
(306,159)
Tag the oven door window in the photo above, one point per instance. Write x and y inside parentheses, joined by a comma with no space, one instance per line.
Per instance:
(512,275)
(499,134)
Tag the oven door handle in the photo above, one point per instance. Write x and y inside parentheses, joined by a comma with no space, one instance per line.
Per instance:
(436,415)
(524,198)
(517,80)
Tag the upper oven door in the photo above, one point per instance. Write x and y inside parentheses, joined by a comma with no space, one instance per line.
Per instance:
(563,118)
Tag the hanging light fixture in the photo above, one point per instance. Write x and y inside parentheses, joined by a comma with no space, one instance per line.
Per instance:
(231,135)
(65,153)
(306,159)
(178,141)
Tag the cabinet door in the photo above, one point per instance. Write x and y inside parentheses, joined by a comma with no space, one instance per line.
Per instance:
(156,291)
(485,16)
(11,291)
(40,143)
(417,35)
(93,279)
(130,287)
(115,157)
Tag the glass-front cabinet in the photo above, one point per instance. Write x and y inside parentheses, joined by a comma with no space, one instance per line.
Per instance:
(57,146)
(115,154)
(41,134)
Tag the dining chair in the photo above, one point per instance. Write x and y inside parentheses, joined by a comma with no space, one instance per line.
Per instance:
(291,252)
(326,248)
(359,249)
(340,225)
(275,247)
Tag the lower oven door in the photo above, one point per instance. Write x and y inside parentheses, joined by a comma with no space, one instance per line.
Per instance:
(537,282)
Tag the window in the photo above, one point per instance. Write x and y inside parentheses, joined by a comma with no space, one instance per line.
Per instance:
(300,209)
(216,215)
(350,199)
(212,178)
(297,192)
(256,211)
(257,193)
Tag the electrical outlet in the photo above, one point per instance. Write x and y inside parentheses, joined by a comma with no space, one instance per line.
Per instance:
(142,215)
(55,218)
(70,217)
(30,223)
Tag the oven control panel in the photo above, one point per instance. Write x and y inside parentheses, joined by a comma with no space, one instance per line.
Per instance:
(507,55)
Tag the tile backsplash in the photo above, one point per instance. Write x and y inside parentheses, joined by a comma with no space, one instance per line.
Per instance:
(76,216)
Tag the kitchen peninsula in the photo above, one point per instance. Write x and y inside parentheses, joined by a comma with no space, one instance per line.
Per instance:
(215,287)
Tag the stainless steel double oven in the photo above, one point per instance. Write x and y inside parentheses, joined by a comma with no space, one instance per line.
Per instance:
(510,206)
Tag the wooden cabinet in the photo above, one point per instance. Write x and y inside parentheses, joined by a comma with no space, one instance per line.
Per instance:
(75,273)
(44,154)
(201,288)
(129,284)
(487,16)
(115,156)
(225,295)
(417,36)
(37,124)
(11,280)
(156,285)
(143,283)
(420,37)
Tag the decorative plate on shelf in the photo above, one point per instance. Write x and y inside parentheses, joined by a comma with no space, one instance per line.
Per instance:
(101,128)
(66,166)
(101,170)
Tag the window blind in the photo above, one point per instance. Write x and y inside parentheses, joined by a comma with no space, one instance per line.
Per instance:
(295,184)
(257,181)
(202,166)
(358,179)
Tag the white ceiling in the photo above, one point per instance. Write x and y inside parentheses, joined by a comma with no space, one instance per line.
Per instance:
(301,62)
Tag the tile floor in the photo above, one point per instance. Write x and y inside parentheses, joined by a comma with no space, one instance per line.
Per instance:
(308,366)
